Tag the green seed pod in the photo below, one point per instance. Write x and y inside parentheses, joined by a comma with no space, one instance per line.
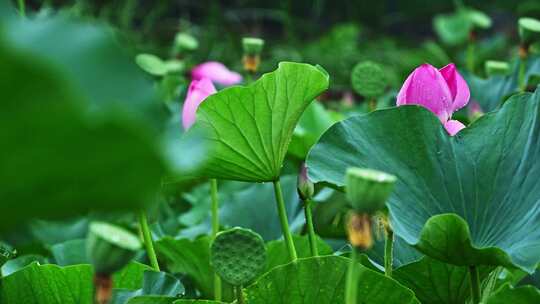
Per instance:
(494,67)
(109,248)
(368,190)
(252,46)
(238,255)
(368,79)
(529,30)
(184,41)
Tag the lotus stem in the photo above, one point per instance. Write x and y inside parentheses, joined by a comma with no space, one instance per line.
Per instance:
(239,295)
(388,251)
(148,242)
(22,8)
(284,221)
(103,288)
(475,284)
(470,51)
(311,231)
(352,279)
(523,55)
(215,230)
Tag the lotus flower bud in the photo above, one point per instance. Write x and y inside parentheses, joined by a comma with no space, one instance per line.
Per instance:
(305,187)
(494,68)
(442,91)
(368,190)
(529,30)
(110,247)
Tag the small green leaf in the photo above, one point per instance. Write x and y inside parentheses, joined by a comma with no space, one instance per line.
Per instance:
(322,280)
(252,126)
(151,64)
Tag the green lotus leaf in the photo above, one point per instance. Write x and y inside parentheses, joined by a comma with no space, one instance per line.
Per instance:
(507,294)
(470,199)
(322,280)
(252,126)
(49,284)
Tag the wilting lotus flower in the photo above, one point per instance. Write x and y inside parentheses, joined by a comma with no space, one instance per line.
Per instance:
(197,92)
(441,91)
(217,72)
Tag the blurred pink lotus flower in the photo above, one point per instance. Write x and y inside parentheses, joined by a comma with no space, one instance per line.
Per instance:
(197,93)
(441,91)
(217,72)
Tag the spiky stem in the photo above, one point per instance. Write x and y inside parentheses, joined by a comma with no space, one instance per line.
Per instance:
(311,231)
(215,230)
(148,242)
(282,212)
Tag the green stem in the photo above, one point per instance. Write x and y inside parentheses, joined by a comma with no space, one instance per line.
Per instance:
(388,252)
(148,243)
(284,222)
(475,284)
(239,295)
(521,75)
(372,104)
(470,56)
(22,8)
(215,230)
(311,230)
(352,279)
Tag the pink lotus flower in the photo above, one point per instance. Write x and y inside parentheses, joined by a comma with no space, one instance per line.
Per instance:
(197,93)
(217,72)
(441,91)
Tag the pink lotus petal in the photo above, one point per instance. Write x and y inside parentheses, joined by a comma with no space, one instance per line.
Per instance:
(453,126)
(427,87)
(458,87)
(197,93)
(217,72)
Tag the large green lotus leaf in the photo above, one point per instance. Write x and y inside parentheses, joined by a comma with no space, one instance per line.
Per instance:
(436,282)
(252,126)
(49,284)
(470,199)
(522,295)
(63,152)
(432,281)
(322,280)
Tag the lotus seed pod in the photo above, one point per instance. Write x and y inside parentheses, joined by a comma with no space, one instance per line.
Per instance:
(368,79)
(252,46)
(497,68)
(109,248)
(367,190)
(184,41)
(529,30)
(238,255)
